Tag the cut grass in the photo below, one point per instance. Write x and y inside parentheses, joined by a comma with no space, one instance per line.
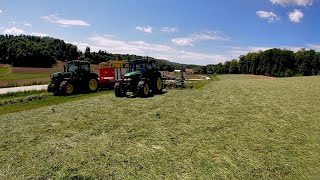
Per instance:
(51,100)
(201,84)
(20,94)
(235,128)
(196,84)
(22,76)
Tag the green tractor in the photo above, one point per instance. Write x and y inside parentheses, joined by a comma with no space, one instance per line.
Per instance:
(142,80)
(77,77)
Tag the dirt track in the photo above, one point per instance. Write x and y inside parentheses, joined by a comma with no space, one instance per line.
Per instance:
(23,88)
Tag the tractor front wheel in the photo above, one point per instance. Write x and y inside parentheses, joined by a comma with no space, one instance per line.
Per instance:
(143,89)
(67,88)
(118,90)
(93,85)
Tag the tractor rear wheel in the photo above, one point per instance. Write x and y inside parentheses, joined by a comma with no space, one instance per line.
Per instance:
(118,90)
(66,88)
(143,89)
(93,85)
(158,85)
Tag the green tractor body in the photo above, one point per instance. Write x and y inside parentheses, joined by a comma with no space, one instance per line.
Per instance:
(77,77)
(142,80)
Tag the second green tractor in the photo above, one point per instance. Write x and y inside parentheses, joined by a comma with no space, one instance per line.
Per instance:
(142,80)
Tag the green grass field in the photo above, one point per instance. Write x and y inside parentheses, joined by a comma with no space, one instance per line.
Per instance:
(4,70)
(22,76)
(234,128)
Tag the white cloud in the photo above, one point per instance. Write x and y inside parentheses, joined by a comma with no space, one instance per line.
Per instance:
(188,41)
(0,11)
(169,29)
(53,18)
(295,16)
(82,46)
(146,29)
(39,34)
(13,31)
(113,45)
(292,2)
(270,16)
(315,47)
(183,41)
(27,24)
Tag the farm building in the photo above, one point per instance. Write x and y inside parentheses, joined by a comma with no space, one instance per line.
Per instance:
(190,71)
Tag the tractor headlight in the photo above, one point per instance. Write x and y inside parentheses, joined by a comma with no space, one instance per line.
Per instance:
(128,79)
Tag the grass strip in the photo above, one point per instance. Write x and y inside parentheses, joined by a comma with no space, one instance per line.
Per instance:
(47,100)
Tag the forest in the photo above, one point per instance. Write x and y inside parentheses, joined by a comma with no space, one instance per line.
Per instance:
(33,51)
(273,62)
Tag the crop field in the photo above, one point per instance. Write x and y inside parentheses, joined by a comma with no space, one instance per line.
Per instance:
(4,70)
(19,76)
(237,127)
(16,76)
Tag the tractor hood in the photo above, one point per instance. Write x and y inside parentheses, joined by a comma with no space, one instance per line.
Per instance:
(61,75)
(134,73)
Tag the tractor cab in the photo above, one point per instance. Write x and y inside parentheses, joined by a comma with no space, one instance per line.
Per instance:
(77,66)
(142,65)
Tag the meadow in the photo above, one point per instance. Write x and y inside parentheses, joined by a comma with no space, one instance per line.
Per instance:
(237,127)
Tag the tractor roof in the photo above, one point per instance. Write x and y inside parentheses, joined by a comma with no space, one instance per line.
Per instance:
(78,61)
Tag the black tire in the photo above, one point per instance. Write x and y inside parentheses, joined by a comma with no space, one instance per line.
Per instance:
(66,88)
(51,88)
(158,85)
(118,90)
(93,85)
(143,89)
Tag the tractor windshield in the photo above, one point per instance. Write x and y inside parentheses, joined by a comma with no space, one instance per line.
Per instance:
(151,65)
(72,67)
(138,67)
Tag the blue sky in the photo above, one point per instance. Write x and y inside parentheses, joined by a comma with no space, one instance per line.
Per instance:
(193,31)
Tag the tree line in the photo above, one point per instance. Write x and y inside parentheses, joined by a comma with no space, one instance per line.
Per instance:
(34,51)
(273,62)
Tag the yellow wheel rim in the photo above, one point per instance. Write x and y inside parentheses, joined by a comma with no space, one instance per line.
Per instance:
(146,89)
(93,84)
(69,89)
(159,84)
